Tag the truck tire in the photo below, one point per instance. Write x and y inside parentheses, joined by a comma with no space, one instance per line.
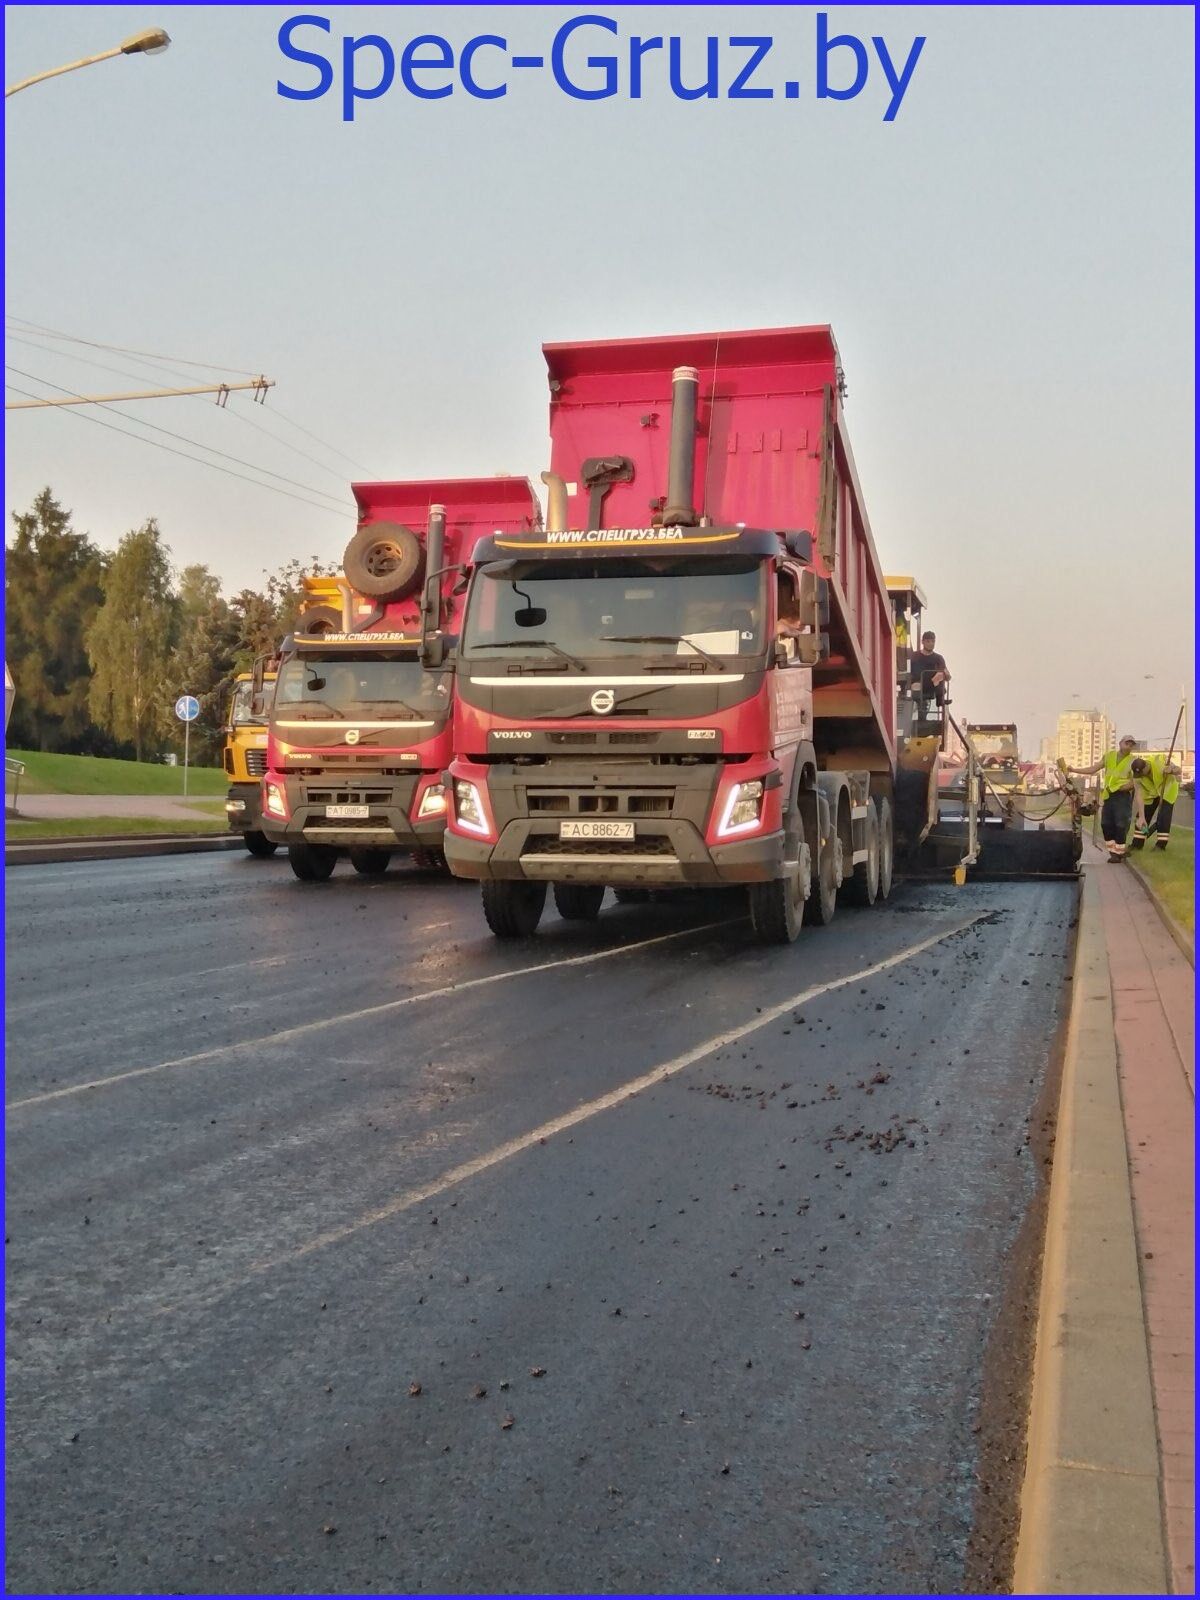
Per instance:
(887,847)
(383,561)
(578,902)
(317,620)
(312,863)
(370,863)
(863,885)
(777,907)
(822,901)
(513,906)
(258,844)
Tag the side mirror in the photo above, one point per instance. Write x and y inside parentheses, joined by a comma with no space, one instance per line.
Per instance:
(433,650)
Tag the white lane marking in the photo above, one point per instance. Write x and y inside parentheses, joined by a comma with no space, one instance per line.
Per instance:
(304,1028)
(426,927)
(605,1102)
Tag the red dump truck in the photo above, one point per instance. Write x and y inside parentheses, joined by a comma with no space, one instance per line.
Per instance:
(360,725)
(688,677)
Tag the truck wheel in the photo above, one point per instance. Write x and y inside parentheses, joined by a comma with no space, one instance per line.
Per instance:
(258,844)
(863,885)
(371,863)
(383,561)
(578,902)
(513,907)
(822,902)
(887,848)
(318,620)
(777,907)
(312,863)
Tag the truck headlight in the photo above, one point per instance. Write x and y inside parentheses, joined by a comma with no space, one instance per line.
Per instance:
(235,805)
(743,809)
(433,802)
(468,807)
(275,800)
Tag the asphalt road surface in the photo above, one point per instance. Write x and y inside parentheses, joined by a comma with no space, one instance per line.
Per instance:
(351,1250)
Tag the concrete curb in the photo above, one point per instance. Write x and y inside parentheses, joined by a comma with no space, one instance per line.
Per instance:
(1091,1504)
(1168,921)
(38,852)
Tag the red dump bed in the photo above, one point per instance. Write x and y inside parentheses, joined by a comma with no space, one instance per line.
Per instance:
(474,507)
(772,452)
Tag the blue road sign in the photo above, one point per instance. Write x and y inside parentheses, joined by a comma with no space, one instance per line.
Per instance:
(187,708)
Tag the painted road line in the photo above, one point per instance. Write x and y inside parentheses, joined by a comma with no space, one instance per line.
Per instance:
(606,1102)
(302,1030)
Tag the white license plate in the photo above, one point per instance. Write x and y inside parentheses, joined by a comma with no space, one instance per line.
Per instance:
(595,830)
(348,813)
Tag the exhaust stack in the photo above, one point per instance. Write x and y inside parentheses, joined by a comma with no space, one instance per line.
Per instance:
(556,502)
(681,473)
(435,545)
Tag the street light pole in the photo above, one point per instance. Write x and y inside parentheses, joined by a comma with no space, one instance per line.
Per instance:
(150,42)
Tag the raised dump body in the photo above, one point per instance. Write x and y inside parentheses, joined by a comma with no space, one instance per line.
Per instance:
(360,724)
(689,677)
(771,451)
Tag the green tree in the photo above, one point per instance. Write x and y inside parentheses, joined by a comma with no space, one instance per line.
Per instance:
(265,616)
(203,660)
(131,641)
(53,587)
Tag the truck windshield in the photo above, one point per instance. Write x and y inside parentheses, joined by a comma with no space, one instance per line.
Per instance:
(241,710)
(347,686)
(681,606)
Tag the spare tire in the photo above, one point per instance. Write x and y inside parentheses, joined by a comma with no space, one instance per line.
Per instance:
(317,620)
(383,561)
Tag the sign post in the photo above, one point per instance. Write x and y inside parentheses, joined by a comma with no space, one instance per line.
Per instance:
(187,709)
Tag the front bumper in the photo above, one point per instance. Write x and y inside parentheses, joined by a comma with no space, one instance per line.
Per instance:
(669,807)
(243,808)
(388,825)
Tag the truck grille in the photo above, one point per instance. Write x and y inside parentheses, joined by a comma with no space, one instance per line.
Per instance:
(256,762)
(608,803)
(348,797)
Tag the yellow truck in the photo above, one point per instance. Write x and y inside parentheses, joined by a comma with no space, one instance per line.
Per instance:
(245,760)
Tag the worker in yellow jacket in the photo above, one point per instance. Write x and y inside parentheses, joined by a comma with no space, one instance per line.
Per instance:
(1153,800)
(1117,784)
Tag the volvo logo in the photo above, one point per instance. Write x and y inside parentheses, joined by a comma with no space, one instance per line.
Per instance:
(603,701)
(352,736)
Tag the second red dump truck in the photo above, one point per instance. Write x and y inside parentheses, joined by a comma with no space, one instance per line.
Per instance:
(688,677)
(359,732)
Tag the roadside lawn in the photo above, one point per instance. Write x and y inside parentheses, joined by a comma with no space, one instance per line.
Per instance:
(107,827)
(53,774)
(1171,873)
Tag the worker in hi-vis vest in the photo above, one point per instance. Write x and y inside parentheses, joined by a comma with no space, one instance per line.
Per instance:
(1153,800)
(1117,784)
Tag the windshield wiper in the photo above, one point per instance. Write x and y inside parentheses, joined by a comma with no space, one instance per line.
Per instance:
(302,705)
(545,644)
(393,701)
(658,638)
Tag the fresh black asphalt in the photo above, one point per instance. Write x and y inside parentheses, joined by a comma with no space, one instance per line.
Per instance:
(726,1335)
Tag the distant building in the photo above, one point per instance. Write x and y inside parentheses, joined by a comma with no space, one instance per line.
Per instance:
(1083,737)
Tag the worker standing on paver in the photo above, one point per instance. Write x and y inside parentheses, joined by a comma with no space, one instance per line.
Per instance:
(1153,800)
(1117,784)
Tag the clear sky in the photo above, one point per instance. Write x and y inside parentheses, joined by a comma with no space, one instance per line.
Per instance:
(1008,267)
